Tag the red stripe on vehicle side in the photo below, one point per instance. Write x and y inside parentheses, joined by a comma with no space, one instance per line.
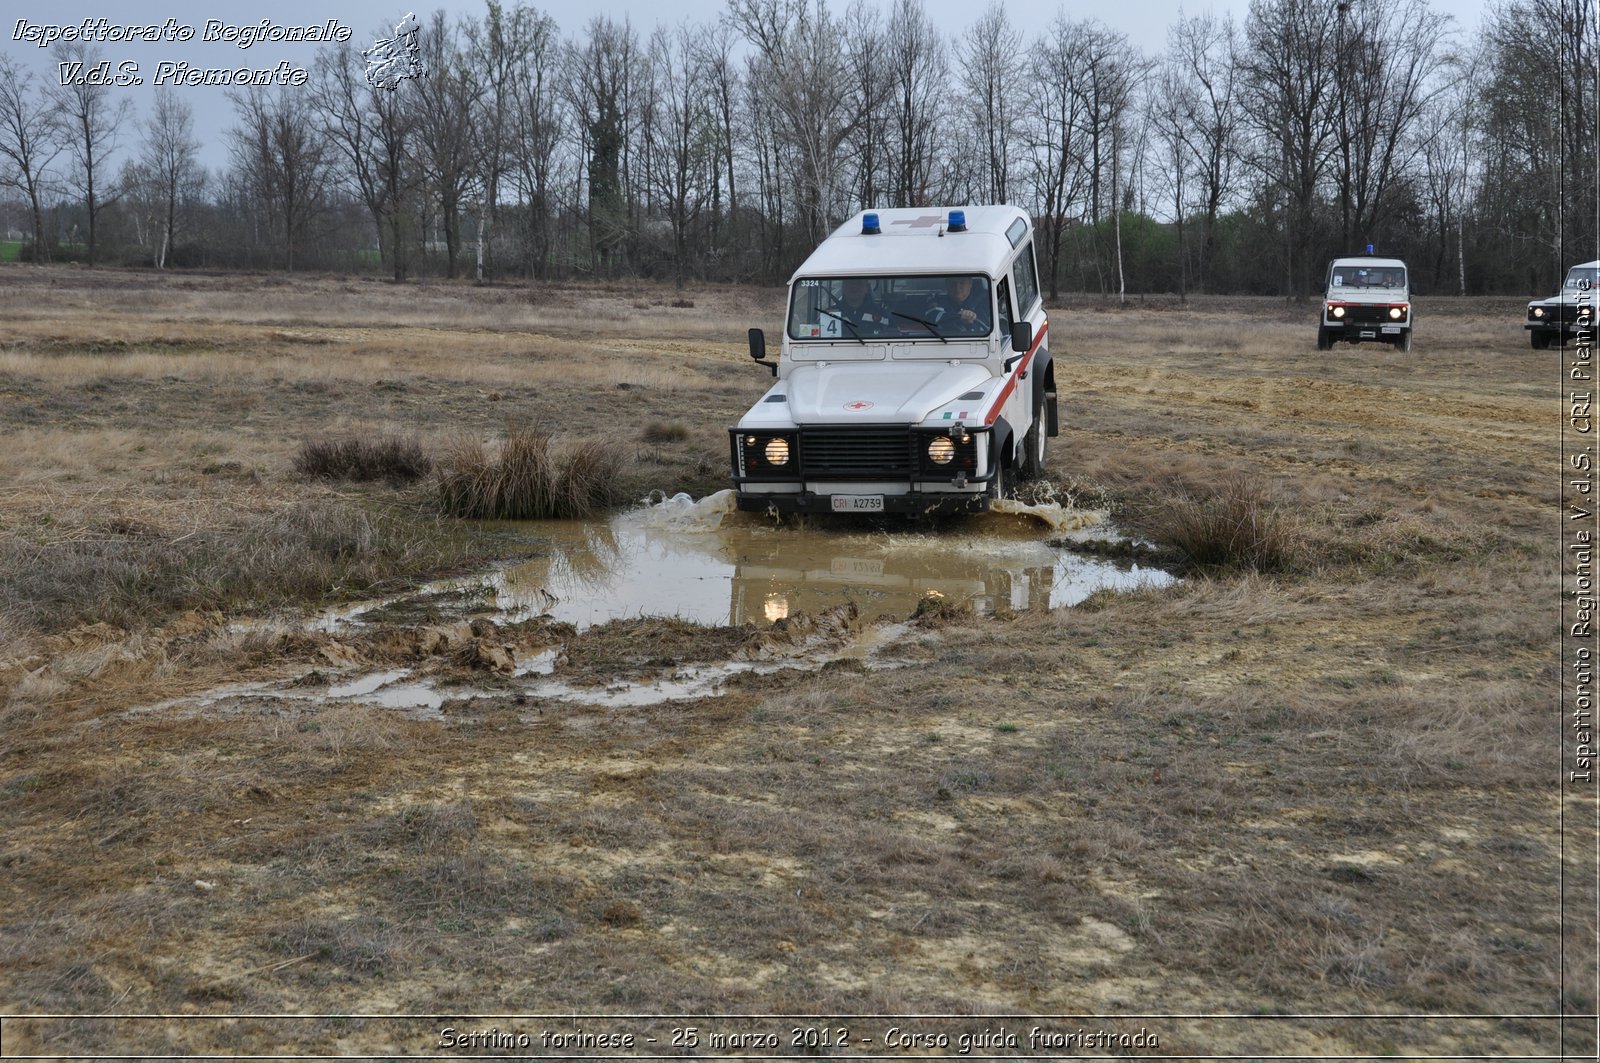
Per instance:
(1011,385)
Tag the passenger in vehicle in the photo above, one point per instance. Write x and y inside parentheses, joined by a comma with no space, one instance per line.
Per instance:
(861,308)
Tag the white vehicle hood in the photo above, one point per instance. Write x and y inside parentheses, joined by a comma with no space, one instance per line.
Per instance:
(879,392)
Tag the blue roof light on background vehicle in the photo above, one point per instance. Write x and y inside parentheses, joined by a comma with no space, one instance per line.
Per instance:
(1369,249)
(869,224)
(958,221)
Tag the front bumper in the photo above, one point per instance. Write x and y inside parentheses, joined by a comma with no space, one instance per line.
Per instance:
(1561,320)
(869,468)
(908,505)
(1364,331)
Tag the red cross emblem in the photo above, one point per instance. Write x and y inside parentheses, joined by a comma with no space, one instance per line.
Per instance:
(858,405)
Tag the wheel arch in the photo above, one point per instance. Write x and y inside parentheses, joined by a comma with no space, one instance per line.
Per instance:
(1005,443)
(1044,390)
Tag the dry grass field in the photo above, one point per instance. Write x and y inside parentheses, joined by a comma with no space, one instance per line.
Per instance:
(1304,804)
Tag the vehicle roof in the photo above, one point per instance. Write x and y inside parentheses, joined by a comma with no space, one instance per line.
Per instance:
(914,240)
(1585,265)
(1368,260)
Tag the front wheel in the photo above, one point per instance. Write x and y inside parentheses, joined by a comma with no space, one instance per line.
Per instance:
(1540,340)
(1004,484)
(1034,443)
(1403,343)
(1324,340)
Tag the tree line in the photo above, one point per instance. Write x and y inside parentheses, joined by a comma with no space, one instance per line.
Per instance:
(1237,158)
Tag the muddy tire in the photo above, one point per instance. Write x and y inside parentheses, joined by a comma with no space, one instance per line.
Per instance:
(1035,443)
(1324,340)
(1004,485)
(1539,340)
(1403,342)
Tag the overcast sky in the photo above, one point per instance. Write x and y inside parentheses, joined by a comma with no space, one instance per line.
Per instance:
(1144,22)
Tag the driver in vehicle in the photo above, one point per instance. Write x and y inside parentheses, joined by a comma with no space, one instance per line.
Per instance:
(965,303)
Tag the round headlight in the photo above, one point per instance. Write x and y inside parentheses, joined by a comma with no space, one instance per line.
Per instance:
(1538,311)
(941,451)
(1396,313)
(1338,311)
(777,452)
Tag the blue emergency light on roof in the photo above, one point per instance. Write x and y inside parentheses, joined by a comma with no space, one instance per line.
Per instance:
(958,221)
(869,224)
(1369,249)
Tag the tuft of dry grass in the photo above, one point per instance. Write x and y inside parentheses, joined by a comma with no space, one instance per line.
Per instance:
(399,461)
(1231,525)
(664,432)
(130,574)
(527,479)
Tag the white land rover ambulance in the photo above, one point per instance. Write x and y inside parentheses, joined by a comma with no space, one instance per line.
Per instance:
(914,376)
(1368,298)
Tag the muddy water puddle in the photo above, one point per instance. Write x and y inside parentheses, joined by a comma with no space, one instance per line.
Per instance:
(812,594)
(702,562)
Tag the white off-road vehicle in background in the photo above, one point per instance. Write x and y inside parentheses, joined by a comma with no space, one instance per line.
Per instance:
(1554,319)
(914,375)
(1368,298)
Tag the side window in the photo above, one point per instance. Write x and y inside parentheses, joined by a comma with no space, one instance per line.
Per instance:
(1027,280)
(1003,293)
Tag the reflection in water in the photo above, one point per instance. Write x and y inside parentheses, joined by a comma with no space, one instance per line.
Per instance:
(706,563)
(702,561)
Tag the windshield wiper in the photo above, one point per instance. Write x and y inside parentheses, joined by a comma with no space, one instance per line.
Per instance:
(855,333)
(925,324)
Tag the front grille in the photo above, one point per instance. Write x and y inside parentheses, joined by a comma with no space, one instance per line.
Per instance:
(1356,314)
(855,453)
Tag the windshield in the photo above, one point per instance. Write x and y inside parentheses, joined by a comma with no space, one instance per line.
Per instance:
(1352,275)
(942,306)
(1582,277)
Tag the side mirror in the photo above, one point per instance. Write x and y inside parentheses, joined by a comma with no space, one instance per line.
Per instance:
(1021,335)
(758,350)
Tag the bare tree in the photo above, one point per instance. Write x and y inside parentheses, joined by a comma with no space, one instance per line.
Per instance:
(915,58)
(685,134)
(90,125)
(1114,70)
(446,135)
(1289,92)
(1387,57)
(27,145)
(537,128)
(870,82)
(168,159)
(1447,132)
(803,82)
(1202,53)
(1056,138)
(282,159)
(1165,116)
(721,75)
(498,50)
(600,89)
(776,159)
(989,57)
(372,131)
(1538,134)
